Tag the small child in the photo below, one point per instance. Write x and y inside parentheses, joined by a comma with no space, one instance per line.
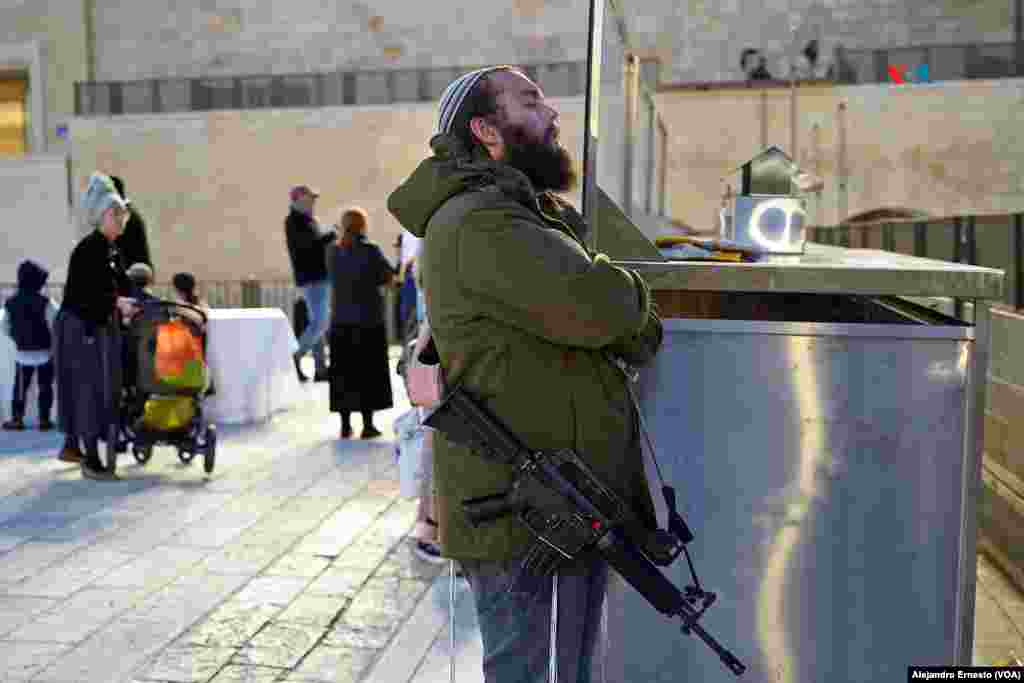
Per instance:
(27,318)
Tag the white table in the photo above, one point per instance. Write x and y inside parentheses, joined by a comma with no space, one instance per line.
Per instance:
(249,351)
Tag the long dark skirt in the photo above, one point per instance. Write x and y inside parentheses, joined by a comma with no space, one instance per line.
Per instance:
(359,372)
(88,370)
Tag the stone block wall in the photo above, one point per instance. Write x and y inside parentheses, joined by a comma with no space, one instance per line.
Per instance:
(697,40)
(213,186)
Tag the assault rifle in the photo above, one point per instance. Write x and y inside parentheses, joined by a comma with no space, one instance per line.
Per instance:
(570,511)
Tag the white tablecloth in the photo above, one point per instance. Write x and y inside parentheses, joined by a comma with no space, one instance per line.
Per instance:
(249,351)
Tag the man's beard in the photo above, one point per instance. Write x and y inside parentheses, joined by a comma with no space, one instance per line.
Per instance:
(547,164)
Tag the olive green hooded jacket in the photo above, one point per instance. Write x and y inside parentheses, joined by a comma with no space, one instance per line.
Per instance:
(525,319)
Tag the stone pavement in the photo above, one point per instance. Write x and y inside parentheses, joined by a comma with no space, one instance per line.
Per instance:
(288,564)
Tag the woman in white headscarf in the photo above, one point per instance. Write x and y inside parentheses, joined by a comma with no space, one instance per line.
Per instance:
(88,337)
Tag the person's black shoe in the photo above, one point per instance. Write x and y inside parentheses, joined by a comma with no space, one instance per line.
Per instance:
(298,369)
(346,432)
(45,425)
(92,468)
(14,425)
(370,432)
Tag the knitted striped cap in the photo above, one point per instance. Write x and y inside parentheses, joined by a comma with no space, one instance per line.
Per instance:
(455,94)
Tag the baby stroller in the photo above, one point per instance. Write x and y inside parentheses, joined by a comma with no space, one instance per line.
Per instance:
(166,381)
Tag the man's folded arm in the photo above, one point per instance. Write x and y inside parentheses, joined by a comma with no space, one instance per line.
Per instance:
(540,280)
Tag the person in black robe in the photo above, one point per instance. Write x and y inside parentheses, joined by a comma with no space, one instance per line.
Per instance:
(359,372)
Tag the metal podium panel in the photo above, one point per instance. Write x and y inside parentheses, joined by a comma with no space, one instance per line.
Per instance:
(821,468)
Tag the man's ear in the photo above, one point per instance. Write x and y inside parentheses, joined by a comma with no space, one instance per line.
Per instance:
(484,131)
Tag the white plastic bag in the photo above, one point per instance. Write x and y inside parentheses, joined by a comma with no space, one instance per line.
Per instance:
(414,461)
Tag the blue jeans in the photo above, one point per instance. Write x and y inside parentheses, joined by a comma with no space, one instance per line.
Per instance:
(318,304)
(514,612)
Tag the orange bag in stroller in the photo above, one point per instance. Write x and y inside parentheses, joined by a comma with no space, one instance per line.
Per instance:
(178,359)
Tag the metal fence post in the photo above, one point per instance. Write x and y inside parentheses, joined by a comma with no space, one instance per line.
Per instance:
(1018,260)
(251,293)
(920,240)
(888,237)
(116,98)
(958,238)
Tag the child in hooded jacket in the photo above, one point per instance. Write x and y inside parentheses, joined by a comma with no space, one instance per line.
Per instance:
(27,318)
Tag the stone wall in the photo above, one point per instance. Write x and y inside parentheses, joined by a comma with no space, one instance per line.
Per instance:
(946,149)
(35,215)
(213,187)
(697,40)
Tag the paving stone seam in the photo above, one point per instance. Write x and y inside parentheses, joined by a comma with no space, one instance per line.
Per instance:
(142,598)
(69,557)
(395,500)
(341,503)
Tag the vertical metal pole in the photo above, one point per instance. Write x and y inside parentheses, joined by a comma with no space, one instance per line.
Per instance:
(888,237)
(920,240)
(1018,260)
(451,620)
(970,487)
(631,73)
(663,171)
(843,172)
(972,240)
(592,115)
(651,159)
(1018,37)
(764,118)
(958,250)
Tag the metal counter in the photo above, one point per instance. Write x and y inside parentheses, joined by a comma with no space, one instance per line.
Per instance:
(828,460)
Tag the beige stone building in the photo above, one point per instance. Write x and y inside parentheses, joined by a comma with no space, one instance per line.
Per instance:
(212,182)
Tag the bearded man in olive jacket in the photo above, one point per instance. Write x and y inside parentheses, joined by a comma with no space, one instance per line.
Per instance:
(531,323)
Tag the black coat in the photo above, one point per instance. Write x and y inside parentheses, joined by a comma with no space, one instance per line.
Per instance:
(307,244)
(358,274)
(133,242)
(27,309)
(95,279)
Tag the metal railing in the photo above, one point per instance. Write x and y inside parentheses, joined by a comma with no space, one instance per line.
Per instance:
(991,241)
(936,62)
(216,293)
(280,294)
(329,89)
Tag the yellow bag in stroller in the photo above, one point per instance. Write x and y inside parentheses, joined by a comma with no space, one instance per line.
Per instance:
(168,413)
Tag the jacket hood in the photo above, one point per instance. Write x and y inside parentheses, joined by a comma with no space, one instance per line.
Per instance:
(32,276)
(452,169)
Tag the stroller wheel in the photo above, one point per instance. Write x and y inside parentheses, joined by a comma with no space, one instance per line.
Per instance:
(210,449)
(142,453)
(186,456)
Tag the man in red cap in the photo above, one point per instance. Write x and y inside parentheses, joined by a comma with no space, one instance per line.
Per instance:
(307,244)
